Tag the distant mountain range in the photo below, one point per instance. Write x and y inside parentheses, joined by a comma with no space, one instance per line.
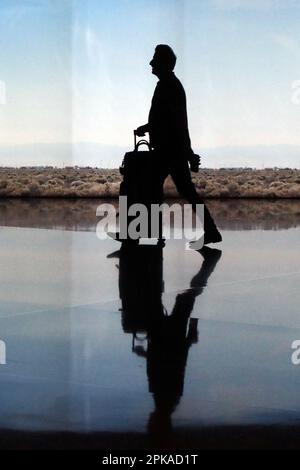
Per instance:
(110,156)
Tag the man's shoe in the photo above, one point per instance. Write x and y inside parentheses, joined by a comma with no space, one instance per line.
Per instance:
(212,237)
(210,254)
(114,254)
(114,235)
(196,244)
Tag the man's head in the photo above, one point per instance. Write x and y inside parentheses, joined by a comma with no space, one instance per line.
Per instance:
(163,61)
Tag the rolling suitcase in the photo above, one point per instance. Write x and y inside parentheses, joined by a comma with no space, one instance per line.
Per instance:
(141,183)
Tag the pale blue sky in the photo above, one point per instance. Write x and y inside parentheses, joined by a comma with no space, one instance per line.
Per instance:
(77,71)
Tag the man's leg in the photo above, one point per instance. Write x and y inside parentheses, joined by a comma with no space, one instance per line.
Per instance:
(181,176)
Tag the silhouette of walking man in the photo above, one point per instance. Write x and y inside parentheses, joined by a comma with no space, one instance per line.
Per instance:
(169,135)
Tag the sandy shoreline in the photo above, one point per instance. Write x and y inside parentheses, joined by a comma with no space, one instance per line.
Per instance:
(104,183)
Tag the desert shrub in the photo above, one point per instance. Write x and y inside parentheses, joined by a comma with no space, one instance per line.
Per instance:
(232,187)
(33,189)
(201,183)
(76,183)
(293,191)
(224,192)
(54,181)
(40,180)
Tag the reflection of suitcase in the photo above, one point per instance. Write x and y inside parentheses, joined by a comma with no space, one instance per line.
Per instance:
(141,183)
(141,286)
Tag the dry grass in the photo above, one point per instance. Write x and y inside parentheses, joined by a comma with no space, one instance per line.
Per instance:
(95,182)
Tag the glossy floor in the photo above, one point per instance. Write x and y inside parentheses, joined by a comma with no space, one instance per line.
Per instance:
(120,348)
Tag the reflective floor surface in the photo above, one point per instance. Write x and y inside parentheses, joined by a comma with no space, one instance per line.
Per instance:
(144,347)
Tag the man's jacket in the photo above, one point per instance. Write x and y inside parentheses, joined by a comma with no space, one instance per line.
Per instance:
(168,123)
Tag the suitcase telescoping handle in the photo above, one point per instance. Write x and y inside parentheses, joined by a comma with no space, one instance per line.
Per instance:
(140,142)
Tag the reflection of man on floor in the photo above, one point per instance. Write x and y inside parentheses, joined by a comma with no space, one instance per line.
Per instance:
(169,135)
(169,336)
(169,344)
